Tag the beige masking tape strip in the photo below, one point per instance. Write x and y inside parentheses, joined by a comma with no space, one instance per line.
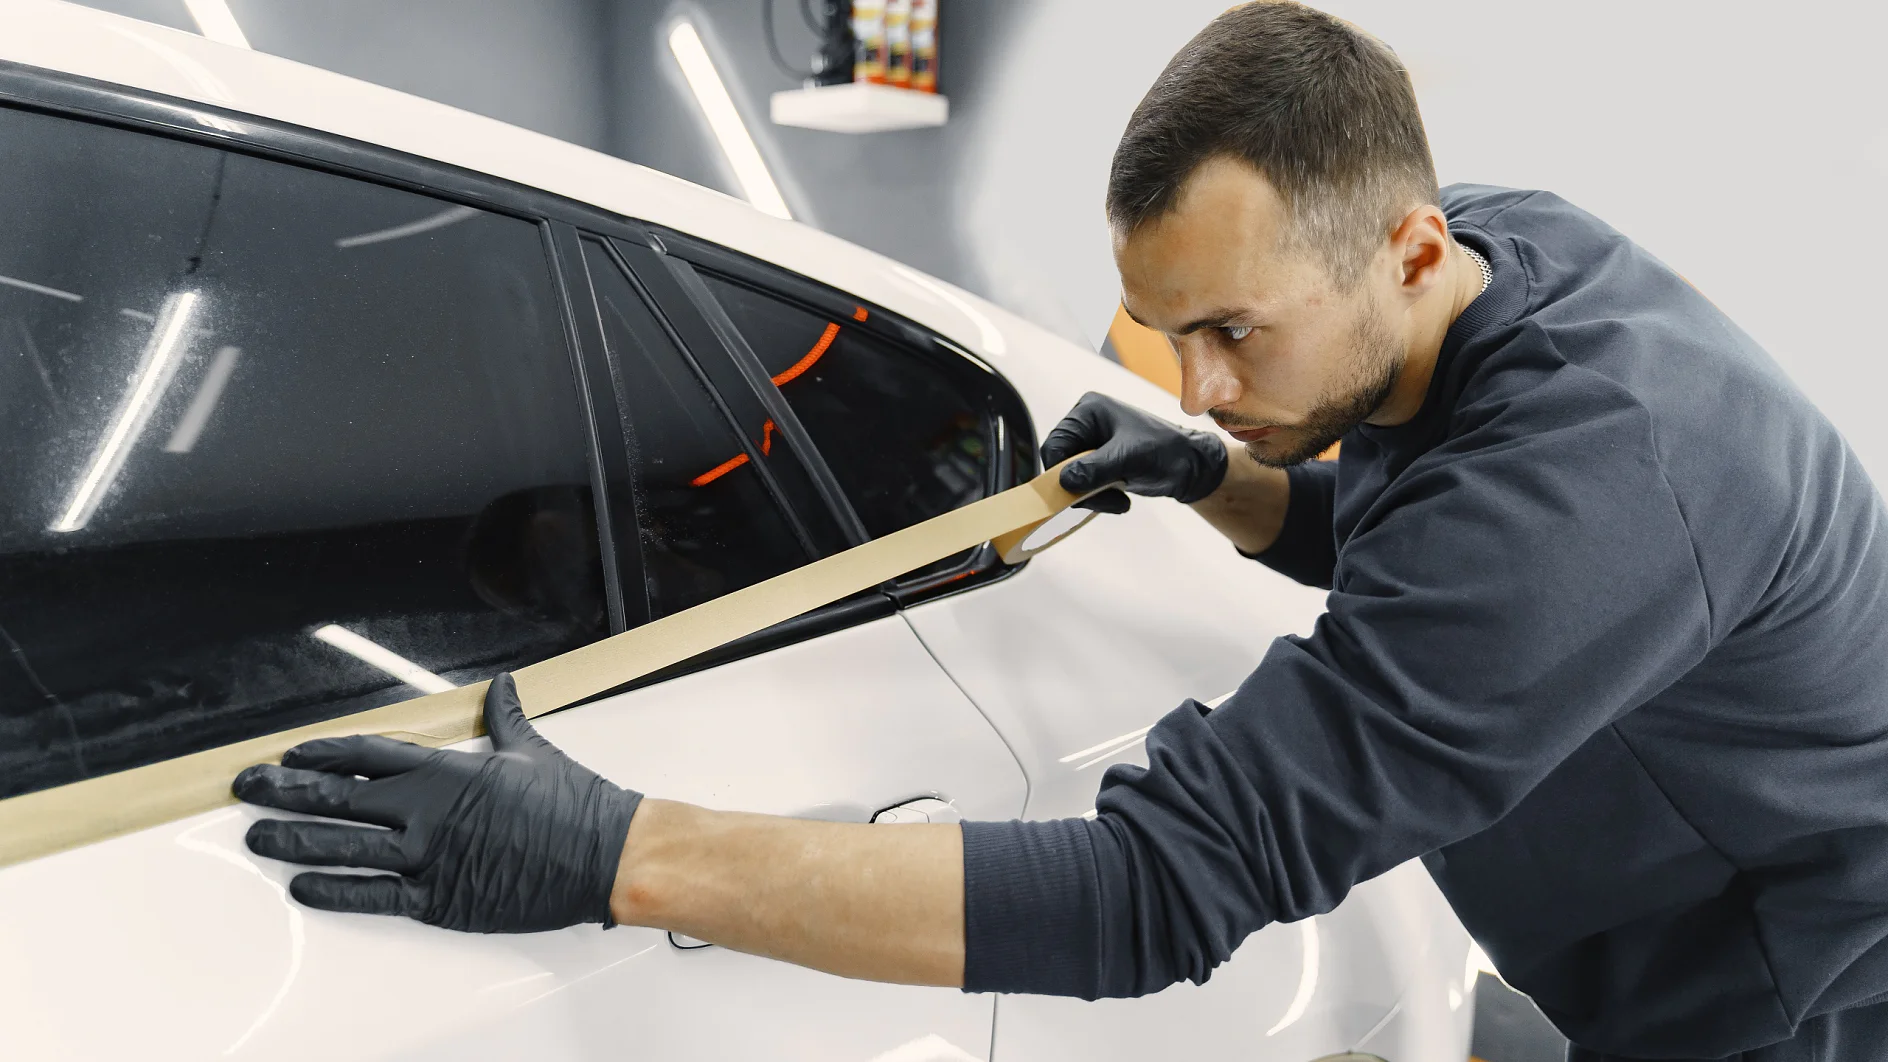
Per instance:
(52,820)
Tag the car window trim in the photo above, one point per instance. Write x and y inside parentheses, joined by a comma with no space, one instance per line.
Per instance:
(736,347)
(849,612)
(756,460)
(814,296)
(612,483)
(982,566)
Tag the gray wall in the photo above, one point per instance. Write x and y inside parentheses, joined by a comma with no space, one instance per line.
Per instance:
(1746,147)
(1747,151)
(540,64)
(599,73)
(888,191)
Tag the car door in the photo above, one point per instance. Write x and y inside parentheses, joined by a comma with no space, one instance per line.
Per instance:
(286,444)
(1073,659)
(1073,655)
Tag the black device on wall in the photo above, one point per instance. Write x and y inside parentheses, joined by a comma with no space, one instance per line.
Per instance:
(831,22)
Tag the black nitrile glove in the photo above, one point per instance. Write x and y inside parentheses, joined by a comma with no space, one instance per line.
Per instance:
(516,840)
(1137,450)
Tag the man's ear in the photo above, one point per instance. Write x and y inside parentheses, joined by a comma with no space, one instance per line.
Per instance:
(1420,247)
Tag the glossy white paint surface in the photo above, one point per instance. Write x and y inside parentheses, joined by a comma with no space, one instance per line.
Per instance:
(176,943)
(1181,615)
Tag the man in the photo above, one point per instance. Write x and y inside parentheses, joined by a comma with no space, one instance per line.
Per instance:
(1606,645)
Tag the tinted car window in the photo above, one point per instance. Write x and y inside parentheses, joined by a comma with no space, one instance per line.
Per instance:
(282,445)
(905,440)
(708,523)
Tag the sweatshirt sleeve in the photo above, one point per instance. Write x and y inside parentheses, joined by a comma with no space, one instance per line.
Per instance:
(1520,588)
(1306,547)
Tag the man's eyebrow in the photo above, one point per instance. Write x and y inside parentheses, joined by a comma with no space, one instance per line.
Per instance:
(1216,319)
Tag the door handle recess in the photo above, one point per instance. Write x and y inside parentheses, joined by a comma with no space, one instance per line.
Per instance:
(924,809)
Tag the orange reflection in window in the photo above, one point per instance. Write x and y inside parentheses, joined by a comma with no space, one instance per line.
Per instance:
(732,463)
(718,471)
(812,356)
(791,373)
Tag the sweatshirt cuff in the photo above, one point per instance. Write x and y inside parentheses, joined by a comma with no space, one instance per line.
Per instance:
(1032,908)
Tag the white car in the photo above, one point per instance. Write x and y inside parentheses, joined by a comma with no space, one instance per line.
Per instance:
(316,395)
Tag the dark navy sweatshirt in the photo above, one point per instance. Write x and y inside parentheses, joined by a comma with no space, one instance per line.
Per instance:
(1606,646)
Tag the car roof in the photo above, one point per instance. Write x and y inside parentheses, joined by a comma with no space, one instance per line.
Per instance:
(89,43)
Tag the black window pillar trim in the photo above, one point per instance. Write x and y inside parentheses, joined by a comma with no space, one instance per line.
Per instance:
(612,486)
(775,403)
(755,459)
(681,251)
(847,612)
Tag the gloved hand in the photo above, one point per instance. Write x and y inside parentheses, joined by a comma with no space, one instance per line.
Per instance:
(1141,452)
(517,840)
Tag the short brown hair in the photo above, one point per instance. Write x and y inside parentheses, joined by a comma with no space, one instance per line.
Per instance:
(1325,111)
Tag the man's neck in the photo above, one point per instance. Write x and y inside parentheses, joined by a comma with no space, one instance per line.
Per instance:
(1462,283)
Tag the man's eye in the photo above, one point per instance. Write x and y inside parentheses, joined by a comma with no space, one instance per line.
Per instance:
(1237,332)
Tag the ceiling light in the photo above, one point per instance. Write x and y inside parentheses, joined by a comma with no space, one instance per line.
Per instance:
(184,437)
(40,289)
(215,21)
(375,655)
(750,170)
(158,365)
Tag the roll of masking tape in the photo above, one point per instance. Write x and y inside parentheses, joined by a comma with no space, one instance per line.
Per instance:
(1019,523)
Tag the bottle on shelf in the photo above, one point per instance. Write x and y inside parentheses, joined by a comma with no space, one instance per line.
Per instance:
(924,45)
(898,43)
(868,26)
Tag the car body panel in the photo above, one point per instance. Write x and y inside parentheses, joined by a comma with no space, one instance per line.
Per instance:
(1187,617)
(177,943)
(190,945)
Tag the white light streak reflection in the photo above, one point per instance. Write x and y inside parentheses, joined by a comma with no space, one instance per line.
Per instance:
(1125,739)
(1307,978)
(750,170)
(214,19)
(40,289)
(184,437)
(993,342)
(1115,746)
(200,77)
(1107,750)
(1478,964)
(412,228)
(375,655)
(297,936)
(158,365)
(931,1048)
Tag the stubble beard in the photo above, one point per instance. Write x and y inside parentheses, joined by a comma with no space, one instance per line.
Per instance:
(1375,362)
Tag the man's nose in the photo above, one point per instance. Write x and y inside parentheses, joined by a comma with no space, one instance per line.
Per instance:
(1206,379)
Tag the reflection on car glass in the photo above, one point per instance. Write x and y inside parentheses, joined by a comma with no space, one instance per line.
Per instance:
(709,525)
(412,228)
(906,440)
(768,427)
(258,478)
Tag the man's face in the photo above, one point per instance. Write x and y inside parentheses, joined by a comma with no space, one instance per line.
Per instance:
(1269,347)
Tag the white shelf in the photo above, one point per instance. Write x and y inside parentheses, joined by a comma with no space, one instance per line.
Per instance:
(859,107)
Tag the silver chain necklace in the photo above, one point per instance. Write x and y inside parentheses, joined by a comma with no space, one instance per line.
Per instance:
(1488,275)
